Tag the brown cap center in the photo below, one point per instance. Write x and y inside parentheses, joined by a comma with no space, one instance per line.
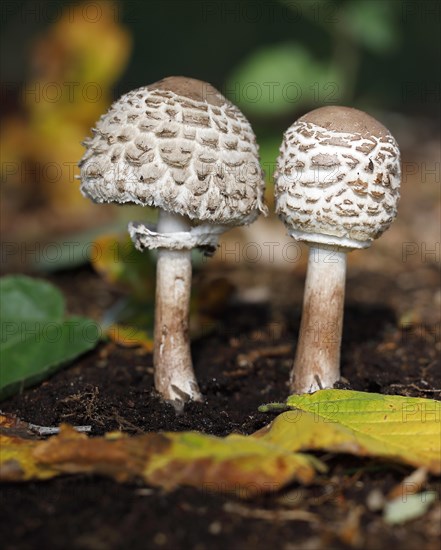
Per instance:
(191,88)
(346,119)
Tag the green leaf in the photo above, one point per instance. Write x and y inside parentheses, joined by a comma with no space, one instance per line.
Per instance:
(36,340)
(20,304)
(283,78)
(396,428)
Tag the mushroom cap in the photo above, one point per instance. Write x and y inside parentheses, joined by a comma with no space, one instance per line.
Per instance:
(178,145)
(338,177)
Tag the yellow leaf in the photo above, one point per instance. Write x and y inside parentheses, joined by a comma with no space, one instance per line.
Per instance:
(235,464)
(130,337)
(401,429)
(77,60)
(17,444)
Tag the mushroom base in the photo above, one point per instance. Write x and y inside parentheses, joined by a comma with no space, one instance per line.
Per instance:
(317,360)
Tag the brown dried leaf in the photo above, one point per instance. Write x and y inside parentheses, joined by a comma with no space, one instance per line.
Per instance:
(235,464)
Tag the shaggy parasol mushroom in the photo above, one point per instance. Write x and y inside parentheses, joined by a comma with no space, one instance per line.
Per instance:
(337,189)
(180,146)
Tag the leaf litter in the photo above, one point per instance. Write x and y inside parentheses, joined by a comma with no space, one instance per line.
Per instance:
(263,462)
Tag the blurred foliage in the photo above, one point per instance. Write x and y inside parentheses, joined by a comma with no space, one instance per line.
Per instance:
(74,64)
(370,23)
(274,78)
(373,25)
(130,321)
(119,263)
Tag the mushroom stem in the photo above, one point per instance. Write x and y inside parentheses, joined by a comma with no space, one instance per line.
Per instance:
(174,376)
(317,361)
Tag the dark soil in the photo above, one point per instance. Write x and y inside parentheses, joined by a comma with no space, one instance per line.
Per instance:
(111,388)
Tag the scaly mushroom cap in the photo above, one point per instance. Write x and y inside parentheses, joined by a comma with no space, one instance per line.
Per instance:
(338,178)
(178,145)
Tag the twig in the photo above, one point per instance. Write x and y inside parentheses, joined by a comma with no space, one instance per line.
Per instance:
(49,430)
(269,515)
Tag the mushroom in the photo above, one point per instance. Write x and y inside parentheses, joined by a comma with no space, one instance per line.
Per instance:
(180,146)
(337,187)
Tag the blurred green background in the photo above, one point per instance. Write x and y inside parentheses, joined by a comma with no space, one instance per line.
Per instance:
(62,64)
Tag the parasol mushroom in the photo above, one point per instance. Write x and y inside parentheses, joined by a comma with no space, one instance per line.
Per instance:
(180,146)
(337,188)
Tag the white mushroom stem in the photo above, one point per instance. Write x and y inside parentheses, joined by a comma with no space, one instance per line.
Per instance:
(317,360)
(174,376)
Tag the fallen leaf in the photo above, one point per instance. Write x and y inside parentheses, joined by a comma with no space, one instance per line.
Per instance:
(243,465)
(130,337)
(402,429)
(236,464)
(231,464)
(36,338)
(17,443)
